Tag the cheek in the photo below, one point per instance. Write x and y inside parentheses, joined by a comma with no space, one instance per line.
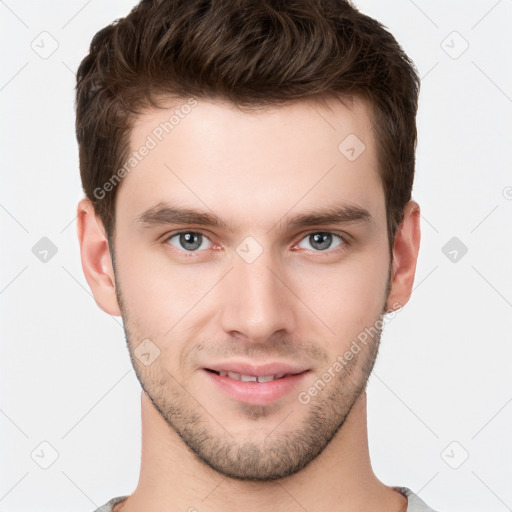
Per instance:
(164,297)
(349,296)
(158,292)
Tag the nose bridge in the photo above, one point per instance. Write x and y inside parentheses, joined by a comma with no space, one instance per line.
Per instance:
(256,301)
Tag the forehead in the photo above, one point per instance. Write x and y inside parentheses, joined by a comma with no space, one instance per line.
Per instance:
(257,163)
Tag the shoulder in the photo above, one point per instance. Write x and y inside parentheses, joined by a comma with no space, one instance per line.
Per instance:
(109,506)
(415,503)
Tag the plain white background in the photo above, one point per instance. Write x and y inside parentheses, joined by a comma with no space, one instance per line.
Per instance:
(440,399)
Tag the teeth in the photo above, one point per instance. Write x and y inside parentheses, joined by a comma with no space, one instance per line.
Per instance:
(266,378)
(251,378)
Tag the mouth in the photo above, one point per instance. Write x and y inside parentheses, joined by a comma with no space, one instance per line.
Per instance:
(254,385)
(250,378)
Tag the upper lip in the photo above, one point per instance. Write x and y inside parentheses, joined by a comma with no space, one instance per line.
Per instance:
(257,370)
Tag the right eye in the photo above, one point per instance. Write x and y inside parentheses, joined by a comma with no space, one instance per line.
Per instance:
(188,241)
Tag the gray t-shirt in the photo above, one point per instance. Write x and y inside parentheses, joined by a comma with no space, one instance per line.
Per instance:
(415,504)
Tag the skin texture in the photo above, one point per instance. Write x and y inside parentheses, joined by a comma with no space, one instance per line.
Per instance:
(299,302)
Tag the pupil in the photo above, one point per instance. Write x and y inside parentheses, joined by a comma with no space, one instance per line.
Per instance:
(321,240)
(187,240)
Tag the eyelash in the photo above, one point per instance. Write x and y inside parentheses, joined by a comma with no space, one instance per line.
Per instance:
(340,248)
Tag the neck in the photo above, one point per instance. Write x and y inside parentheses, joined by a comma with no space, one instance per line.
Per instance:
(339,479)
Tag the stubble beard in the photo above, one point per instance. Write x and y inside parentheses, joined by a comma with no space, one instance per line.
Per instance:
(281,453)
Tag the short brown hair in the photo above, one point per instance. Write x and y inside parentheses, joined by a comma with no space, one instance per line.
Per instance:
(252,53)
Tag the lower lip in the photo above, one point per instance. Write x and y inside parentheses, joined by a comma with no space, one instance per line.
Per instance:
(257,393)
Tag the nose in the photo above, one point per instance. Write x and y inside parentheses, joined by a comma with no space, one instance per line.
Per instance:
(257,302)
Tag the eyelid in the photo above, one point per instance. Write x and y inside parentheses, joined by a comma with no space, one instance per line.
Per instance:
(344,236)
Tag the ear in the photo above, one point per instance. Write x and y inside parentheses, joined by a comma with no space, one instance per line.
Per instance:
(405,255)
(96,260)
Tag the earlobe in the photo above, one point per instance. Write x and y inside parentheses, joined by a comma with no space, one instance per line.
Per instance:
(405,255)
(96,259)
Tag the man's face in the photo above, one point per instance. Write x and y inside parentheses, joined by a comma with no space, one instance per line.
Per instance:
(255,295)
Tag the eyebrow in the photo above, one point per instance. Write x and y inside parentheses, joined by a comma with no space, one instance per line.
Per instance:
(163,214)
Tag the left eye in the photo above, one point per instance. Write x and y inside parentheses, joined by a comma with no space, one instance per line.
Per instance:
(189,241)
(320,241)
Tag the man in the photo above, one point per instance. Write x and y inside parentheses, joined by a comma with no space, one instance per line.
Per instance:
(248,169)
